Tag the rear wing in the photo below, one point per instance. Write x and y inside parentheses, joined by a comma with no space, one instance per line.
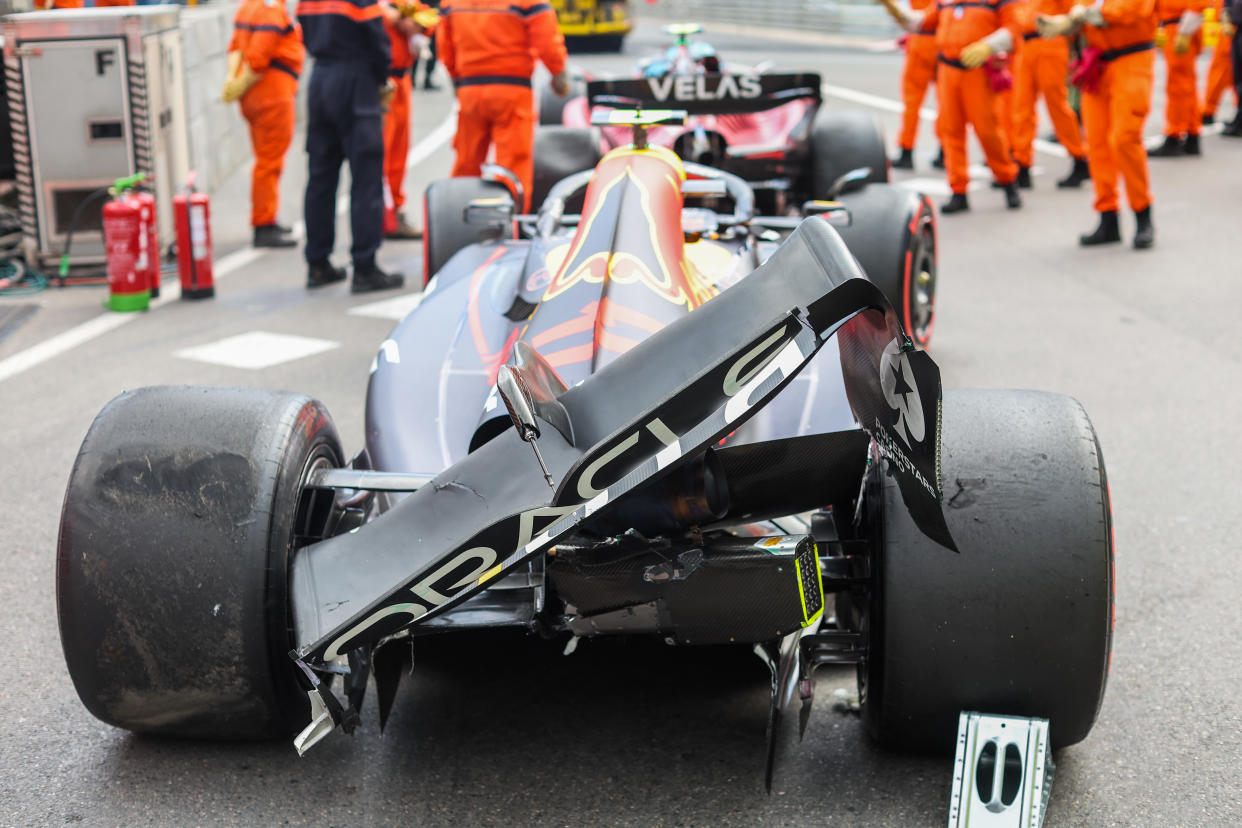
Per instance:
(725,94)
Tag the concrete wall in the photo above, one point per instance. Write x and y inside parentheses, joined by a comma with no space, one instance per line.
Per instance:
(850,17)
(219,139)
(219,136)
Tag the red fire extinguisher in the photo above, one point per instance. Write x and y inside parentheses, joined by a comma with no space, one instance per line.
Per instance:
(149,255)
(192,219)
(123,242)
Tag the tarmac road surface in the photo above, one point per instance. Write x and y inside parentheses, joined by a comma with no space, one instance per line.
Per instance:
(504,730)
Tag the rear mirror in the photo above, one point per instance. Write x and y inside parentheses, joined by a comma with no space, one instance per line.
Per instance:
(850,182)
(833,212)
(493,217)
(517,400)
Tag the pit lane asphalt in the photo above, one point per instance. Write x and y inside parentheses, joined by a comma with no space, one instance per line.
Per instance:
(636,734)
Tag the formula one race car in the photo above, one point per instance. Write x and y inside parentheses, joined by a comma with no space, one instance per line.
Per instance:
(770,130)
(621,425)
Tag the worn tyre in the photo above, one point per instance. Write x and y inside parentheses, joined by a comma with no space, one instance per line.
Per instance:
(844,140)
(1020,621)
(445,231)
(172,565)
(560,152)
(892,233)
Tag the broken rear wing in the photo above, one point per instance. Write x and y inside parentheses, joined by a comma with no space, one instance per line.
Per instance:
(724,94)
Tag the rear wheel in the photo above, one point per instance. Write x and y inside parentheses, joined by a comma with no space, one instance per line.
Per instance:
(552,106)
(182,512)
(844,140)
(560,152)
(445,231)
(892,233)
(1020,621)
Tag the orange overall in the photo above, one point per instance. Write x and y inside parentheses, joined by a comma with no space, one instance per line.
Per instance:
(965,94)
(1181,108)
(271,43)
(1042,68)
(918,73)
(489,48)
(1114,113)
(397,121)
(1220,73)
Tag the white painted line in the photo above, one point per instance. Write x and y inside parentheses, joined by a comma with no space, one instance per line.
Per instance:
(56,345)
(257,349)
(396,308)
(60,343)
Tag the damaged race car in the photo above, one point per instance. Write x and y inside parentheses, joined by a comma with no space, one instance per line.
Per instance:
(770,129)
(617,426)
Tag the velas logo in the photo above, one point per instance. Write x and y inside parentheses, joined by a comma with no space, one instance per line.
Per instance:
(705,88)
(901,393)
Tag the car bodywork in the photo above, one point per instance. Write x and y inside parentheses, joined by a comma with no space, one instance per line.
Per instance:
(679,387)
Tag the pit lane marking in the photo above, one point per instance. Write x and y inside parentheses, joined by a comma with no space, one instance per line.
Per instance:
(80,334)
(256,350)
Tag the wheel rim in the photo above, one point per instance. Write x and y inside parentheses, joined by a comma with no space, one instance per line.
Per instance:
(922,296)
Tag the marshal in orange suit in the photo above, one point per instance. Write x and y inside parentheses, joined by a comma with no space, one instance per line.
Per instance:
(1041,72)
(489,48)
(265,57)
(971,36)
(1116,82)
(1181,22)
(917,74)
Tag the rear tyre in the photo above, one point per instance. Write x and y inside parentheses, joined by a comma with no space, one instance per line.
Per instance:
(445,231)
(552,106)
(844,140)
(182,512)
(1020,621)
(892,233)
(560,152)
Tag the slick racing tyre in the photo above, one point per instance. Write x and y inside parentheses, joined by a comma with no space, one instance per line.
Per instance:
(892,233)
(560,152)
(1019,622)
(552,106)
(445,231)
(844,140)
(183,509)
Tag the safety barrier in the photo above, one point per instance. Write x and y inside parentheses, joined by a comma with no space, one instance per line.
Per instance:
(860,17)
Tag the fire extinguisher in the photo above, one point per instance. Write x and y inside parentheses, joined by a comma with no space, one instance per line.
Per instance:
(124,240)
(149,257)
(192,219)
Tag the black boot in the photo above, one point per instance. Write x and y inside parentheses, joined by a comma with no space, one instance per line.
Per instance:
(368,277)
(1208,119)
(1079,173)
(957,203)
(1107,233)
(284,228)
(270,235)
(1171,148)
(1012,199)
(905,161)
(1191,145)
(1024,177)
(938,161)
(323,273)
(1144,233)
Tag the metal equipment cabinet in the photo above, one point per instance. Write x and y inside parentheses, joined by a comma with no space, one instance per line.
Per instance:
(94,94)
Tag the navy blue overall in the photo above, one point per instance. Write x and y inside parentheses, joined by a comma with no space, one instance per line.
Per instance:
(350,48)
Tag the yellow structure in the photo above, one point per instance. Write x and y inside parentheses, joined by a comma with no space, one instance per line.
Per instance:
(594,18)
